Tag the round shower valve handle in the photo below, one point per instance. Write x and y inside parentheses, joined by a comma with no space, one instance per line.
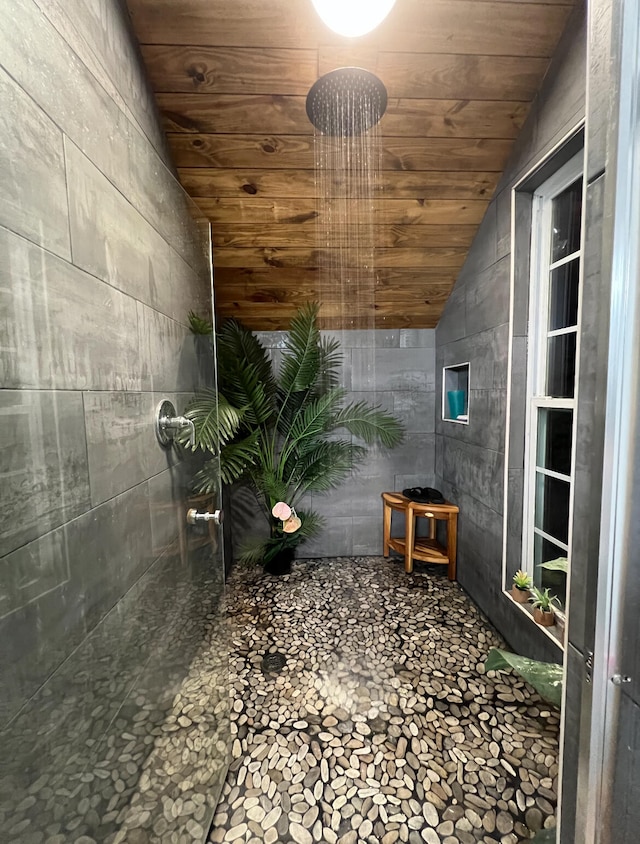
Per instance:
(193,517)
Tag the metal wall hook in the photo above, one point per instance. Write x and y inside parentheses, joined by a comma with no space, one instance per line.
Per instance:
(168,424)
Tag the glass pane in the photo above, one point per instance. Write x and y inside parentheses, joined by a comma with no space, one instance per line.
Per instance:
(563,295)
(555,430)
(552,506)
(556,581)
(561,365)
(565,232)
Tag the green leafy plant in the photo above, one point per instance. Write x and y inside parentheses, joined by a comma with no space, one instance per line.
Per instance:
(522,580)
(542,599)
(276,430)
(559,564)
(545,677)
(199,325)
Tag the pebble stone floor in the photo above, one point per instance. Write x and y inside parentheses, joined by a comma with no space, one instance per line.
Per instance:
(382,726)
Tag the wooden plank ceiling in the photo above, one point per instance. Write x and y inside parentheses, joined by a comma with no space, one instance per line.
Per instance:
(231,79)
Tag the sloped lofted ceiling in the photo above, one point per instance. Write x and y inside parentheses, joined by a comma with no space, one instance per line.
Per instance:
(231,79)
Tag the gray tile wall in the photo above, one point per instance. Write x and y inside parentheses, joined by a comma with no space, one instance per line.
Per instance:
(475,327)
(393,369)
(100,261)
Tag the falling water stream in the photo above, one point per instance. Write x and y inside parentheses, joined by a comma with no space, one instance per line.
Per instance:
(345,107)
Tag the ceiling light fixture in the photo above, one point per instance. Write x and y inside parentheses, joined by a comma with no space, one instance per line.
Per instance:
(353,17)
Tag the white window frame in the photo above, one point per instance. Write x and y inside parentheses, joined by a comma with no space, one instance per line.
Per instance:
(536,398)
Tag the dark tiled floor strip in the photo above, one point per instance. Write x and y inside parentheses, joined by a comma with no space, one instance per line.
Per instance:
(382,726)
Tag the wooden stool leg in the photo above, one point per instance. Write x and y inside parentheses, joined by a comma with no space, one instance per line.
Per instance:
(452,544)
(409,532)
(386,528)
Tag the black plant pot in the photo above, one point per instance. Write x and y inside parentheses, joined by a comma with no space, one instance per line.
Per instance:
(281,563)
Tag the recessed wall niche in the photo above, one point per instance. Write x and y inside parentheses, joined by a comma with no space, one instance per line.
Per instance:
(455,393)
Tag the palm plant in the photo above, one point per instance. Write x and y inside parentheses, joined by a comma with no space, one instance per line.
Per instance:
(275,431)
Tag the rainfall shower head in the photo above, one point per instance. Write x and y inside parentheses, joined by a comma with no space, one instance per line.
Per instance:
(346,101)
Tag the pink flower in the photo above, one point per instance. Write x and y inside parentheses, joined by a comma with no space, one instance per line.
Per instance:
(292,524)
(281,511)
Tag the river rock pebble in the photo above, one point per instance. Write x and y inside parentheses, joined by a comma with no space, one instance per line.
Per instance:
(383,726)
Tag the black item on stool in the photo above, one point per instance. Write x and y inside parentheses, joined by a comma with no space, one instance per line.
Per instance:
(424,495)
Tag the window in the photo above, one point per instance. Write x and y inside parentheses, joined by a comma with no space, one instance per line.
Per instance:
(551,378)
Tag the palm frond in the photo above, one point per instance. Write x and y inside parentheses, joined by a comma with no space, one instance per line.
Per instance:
(301,358)
(237,458)
(246,376)
(207,479)
(198,325)
(325,465)
(370,424)
(215,420)
(312,524)
(259,550)
(330,363)
(270,487)
(317,417)
(253,552)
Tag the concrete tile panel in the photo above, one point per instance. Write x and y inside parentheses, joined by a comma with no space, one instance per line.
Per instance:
(42,62)
(421,338)
(486,353)
(110,239)
(186,289)
(488,298)
(44,464)
(64,329)
(336,540)
(522,265)
(367,534)
(601,103)
(168,507)
(475,470)
(575,709)
(33,199)
(416,410)
(33,570)
(563,92)
(503,223)
(104,43)
(168,353)
(391,369)
(109,548)
(38,636)
(518,402)
(515,500)
(367,338)
(482,253)
(453,320)
(122,446)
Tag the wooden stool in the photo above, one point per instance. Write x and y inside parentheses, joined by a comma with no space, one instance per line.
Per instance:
(426,549)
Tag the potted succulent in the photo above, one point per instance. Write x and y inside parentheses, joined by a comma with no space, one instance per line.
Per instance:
(542,602)
(274,428)
(521,588)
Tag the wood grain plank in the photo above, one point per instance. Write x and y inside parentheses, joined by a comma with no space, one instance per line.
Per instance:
(334,309)
(442,75)
(444,256)
(354,212)
(296,151)
(229,70)
(242,235)
(231,282)
(426,318)
(215,182)
(259,113)
(440,26)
